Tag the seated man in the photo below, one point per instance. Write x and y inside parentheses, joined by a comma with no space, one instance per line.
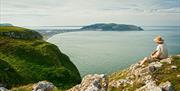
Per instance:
(160,52)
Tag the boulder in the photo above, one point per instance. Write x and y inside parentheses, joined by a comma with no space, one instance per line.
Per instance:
(141,71)
(43,86)
(156,64)
(167,86)
(167,60)
(92,83)
(151,86)
(3,89)
(173,67)
(120,82)
(178,76)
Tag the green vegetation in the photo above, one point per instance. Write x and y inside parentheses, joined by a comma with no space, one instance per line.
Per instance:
(6,72)
(118,75)
(29,88)
(165,73)
(12,28)
(19,33)
(32,59)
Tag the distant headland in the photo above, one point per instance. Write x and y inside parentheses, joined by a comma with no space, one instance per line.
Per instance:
(112,27)
(5,24)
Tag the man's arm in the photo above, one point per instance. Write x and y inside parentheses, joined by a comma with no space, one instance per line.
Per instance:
(156,54)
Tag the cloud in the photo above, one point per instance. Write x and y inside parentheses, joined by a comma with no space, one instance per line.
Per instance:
(78,12)
(170,10)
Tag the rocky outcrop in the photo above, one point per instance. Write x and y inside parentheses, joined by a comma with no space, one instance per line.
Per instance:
(144,78)
(3,89)
(92,83)
(43,86)
(19,33)
(22,35)
(166,86)
(136,78)
(150,86)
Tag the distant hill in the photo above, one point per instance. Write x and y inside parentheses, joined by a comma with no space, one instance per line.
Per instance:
(112,27)
(5,24)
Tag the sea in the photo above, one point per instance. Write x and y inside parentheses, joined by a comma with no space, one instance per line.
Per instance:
(105,52)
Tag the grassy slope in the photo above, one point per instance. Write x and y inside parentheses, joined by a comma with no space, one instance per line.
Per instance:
(6,72)
(165,73)
(36,60)
(12,28)
(21,33)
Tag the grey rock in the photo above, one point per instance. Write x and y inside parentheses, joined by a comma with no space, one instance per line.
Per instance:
(28,34)
(156,64)
(173,67)
(167,86)
(3,89)
(151,86)
(178,76)
(43,86)
(92,83)
(167,60)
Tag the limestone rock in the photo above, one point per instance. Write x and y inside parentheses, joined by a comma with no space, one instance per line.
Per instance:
(43,86)
(121,82)
(178,76)
(173,67)
(92,83)
(167,60)
(167,86)
(3,89)
(156,64)
(151,86)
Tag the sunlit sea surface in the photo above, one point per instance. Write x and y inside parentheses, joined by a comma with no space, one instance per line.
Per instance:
(110,51)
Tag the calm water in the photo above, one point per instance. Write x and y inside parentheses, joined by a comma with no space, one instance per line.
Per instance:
(106,52)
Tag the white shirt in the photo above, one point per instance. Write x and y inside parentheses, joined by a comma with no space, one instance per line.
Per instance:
(162,50)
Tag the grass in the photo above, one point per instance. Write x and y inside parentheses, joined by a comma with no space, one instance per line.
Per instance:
(12,28)
(118,75)
(29,88)
(6,72)
(19,33)
(165,73)
(35,60)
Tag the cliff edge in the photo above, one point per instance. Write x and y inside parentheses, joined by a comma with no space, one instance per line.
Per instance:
(159,75)
(26,58)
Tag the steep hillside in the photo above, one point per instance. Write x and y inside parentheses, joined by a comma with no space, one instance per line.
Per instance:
(33,59)
(8,72)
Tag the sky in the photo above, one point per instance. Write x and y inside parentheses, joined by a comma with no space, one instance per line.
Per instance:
(83,12)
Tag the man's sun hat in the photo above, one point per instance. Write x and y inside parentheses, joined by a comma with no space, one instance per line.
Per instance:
(158,39)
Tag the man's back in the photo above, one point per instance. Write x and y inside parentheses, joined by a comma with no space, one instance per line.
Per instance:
(161,48)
